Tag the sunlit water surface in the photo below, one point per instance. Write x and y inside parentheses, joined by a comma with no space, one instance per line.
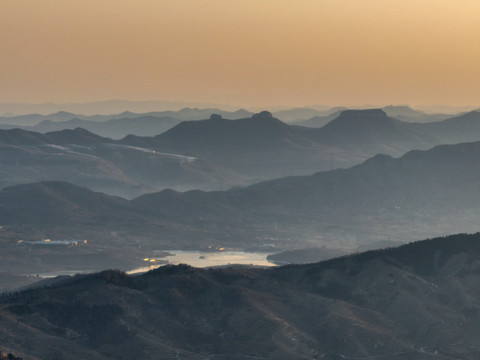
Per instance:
(205,259)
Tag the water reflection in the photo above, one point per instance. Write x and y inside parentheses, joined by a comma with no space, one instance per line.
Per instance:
(204,259)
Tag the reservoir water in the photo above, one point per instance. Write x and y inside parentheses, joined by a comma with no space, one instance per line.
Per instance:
(175,257)
(205,259)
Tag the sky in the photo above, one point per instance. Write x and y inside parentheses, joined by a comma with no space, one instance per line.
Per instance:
(241,52)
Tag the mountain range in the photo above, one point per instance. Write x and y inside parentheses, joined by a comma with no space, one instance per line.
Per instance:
(261,147)
(116,125)
(402,113)
(208,154)
(419,195)
(416,301)
(88,199)
(264,147)
(105,107)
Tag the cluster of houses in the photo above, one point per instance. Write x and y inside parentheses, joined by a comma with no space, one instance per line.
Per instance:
(50,242)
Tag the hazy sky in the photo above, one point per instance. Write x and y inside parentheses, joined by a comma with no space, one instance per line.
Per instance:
(245,52)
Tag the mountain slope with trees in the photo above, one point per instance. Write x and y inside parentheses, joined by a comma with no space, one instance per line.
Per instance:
(413,302)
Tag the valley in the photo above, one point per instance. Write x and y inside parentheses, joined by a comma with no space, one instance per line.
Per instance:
(239,196)
(239,180)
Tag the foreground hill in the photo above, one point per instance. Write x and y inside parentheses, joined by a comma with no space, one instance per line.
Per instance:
(417,301)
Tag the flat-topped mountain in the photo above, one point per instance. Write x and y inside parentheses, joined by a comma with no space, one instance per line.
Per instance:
(379,126)
(372,131)
(413,302)
(399,112)
(407,114)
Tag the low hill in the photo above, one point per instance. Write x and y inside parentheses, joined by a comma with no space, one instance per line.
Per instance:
(413,302)
(51,203)
(86,159)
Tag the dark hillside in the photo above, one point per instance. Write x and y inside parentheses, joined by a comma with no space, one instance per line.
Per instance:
(50,203)
(423,193)
(413,302)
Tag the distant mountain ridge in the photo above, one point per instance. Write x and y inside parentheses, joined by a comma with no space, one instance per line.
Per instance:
(226,152)
(34,120)
(402,113)
(265,147)
(106,107)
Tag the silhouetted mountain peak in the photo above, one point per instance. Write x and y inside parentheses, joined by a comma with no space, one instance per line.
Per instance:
(263,115)
(75,136)
(62,113)
(372,119)
(235,130)
(418,301)
(215,117)
(402,110)
(360,115)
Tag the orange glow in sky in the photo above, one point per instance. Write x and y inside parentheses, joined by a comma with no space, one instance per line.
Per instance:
(242,52)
